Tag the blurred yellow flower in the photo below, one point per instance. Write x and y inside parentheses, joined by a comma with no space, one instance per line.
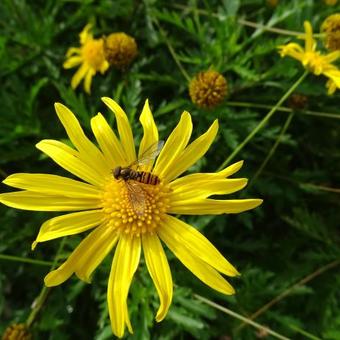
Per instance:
(313,60)
(18,331)
(120,49)
(90,57)
(330,2)
(208,89)
(272,3)
(331,28)
(107,205)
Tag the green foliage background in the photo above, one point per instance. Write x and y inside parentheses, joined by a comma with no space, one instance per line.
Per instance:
(293,234)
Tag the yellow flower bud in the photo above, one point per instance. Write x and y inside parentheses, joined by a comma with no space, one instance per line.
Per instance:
(17,331)
(331,28)
(208,89)
(120,49)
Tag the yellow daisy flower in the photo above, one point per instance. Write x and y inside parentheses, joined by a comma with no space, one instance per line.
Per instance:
(104,203)
(313,60)
(90,56)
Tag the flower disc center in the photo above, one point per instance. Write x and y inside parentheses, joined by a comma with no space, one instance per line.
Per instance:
(134,208)
(93,53)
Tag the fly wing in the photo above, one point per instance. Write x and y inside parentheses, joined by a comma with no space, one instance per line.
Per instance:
(137,197)
(149,154)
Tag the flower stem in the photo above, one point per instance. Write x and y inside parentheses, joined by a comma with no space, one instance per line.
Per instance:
(289,290)
(263,121)
(41,299)
(172,51)
(284,109)
(274,147)
(22,259)
(240,317)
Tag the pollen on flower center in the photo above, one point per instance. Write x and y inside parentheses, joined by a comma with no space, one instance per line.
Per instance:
(93,53)
(134,208)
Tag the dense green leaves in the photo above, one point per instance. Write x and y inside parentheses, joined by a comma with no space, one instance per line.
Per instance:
(294,234)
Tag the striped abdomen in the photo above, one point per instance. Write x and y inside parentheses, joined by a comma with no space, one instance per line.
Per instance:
(145,177)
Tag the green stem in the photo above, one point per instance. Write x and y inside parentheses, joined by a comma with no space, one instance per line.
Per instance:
(172,51)
(24,260)
(289,290)
(263,121)
(245,22)
(269,29)
(241,317)
(284,109)
(41,299)
(274,147)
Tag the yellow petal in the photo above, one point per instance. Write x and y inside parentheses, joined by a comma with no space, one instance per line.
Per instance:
(85,34)
(104,66)
(61,274)
(200,189)
(193,152)
(89,153)
(88,80)
(124,265)
(334,80)
(213,207)
(198,267)
(174,146)
(197,244)
(53,185)
(28,200)
(330,57)
(159,270)
(79,75)
(70,160)
(309,41)
(231,169)
(203,177)
(73,51)
(69,224)
(124,129)
(72,62)
(95,254)
(108,141)
(293,50)
(150,136)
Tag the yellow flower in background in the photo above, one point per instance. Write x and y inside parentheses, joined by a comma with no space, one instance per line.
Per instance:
(90,57)
(120,49)
(129,213)
(272,3)
(18,331)
(208,89)
(313,60)
(330,2)
(331,28)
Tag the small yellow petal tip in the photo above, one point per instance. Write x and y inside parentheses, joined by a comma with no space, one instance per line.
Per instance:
(258,202)
(34,244)
(106,99)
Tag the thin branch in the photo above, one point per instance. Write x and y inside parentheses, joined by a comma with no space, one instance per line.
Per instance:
(286,292)
(264,121)
(274,147)
(24,260)
(172,51)
(284,109)
(245,22)
(240,317)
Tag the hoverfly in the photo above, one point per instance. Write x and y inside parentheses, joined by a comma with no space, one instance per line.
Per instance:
(137,194)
